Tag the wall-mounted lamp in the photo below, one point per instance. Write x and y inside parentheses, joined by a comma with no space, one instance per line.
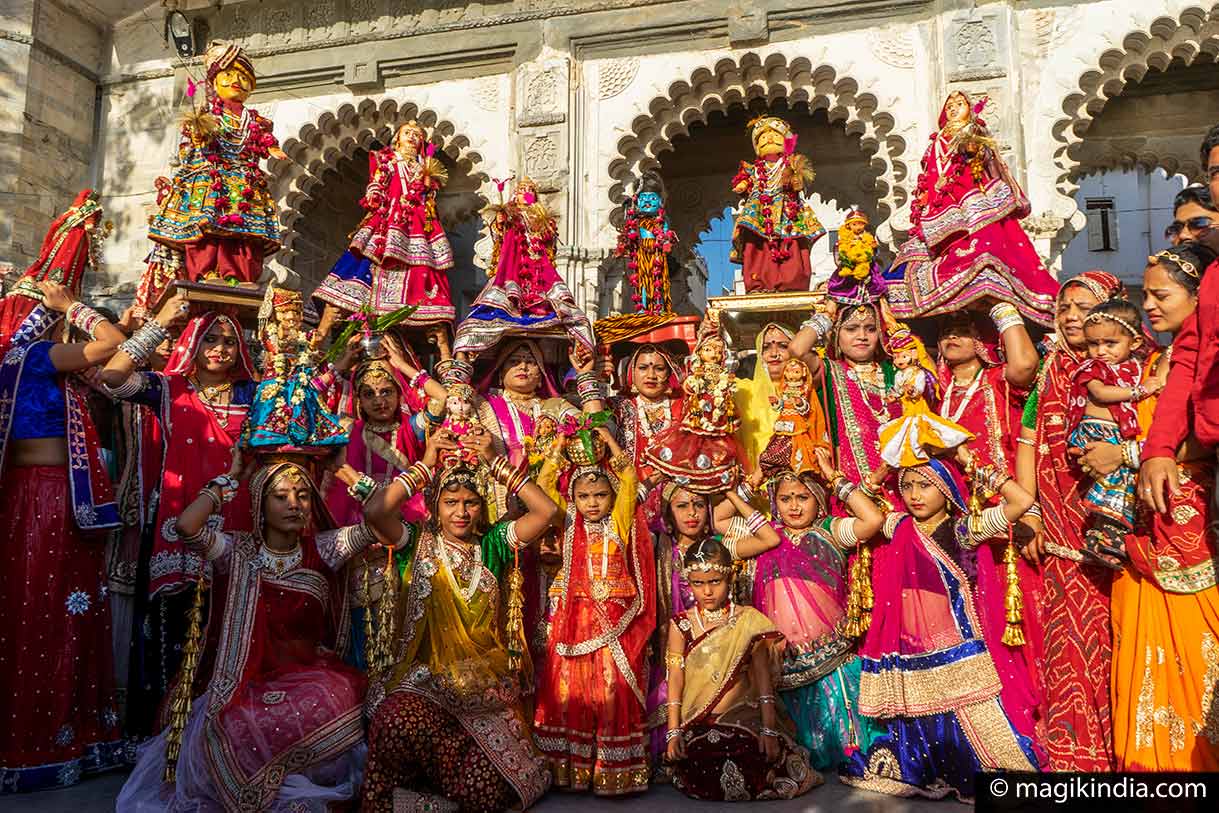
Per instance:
(178,29)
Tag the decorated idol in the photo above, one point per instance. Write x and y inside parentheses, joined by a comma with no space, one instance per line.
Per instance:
(399,254)
(967,243)
(775,228)
(216,216)
(857,277)
(645,241)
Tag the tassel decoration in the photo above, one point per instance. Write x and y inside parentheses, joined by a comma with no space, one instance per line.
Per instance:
(180,704)
(366,600)
(859,594)
(1013,599)
(516,615)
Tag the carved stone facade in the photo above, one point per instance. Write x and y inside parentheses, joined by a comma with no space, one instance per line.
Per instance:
(585,95)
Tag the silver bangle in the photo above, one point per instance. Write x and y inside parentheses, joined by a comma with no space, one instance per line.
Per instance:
(769,732)
(821,325)
(144,342)
(672,734)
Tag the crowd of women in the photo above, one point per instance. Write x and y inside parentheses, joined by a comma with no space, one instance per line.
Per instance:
(405,588)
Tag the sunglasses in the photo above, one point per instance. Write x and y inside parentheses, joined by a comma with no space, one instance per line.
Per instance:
(1194,224)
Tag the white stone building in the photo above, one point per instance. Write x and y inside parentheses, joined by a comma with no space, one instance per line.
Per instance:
(584,94)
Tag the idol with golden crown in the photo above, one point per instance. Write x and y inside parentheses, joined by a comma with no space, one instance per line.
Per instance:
(857,278)
(524,294)
(967,244)
(399,254)
(775,228)
(287,409)
(216,219)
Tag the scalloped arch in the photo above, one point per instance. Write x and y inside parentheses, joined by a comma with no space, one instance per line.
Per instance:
(336,135)
(1191,34)
(733,81)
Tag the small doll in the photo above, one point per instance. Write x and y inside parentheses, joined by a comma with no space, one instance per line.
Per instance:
(700,453)
(797,433)
(287,408)
(1104,394)
(858,278)
(919,432)
(460,419)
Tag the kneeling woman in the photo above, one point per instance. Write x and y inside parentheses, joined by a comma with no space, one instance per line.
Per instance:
(279,726)
(729,738)
(928,670)
(447,719)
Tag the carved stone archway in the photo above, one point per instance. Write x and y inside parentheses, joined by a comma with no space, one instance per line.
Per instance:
(331,147)
(1192,37)
(737,83)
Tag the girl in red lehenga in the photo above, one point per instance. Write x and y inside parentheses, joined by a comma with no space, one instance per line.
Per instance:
(279,724)
(590,709)
(967,242)
(200,399)
(57,713)
(986,372)
(652,381)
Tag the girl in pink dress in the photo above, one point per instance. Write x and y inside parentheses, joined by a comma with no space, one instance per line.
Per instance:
(967,242)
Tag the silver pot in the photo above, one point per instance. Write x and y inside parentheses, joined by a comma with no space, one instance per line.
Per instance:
(373,345)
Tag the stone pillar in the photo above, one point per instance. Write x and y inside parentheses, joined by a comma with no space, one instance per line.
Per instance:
(49,58)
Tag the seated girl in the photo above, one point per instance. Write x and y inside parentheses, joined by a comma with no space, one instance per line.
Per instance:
(729,738)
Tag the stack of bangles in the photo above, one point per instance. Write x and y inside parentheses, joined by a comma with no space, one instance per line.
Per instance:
(991,478)
(454,371)
(1005,315)
(84,318)
(672,734)
(843,488)
(221,490)
(419,382)
(754,522)
(513,479)
(588,387)
(362,489)
(144,342)
(416,478)
(821,325)
(1132,454)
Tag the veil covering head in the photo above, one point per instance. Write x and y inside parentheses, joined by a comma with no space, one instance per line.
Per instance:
(493,378)
(275,472)
(756,398)
(626,370)
(884,324)
(182,357)
(805,479)
(947,478)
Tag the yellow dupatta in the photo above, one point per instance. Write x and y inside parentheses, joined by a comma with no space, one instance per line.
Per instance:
(756,409)
(717,667)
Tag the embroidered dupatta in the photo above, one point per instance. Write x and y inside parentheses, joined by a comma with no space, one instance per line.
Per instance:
(718,664)
(854,429)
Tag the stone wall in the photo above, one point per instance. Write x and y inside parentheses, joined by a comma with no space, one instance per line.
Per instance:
(584,95)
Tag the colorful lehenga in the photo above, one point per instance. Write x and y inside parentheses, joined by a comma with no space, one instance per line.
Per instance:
(449,718)
(1166,630)
(928,674)
(590,721)
(279,726)
(721,718)
(967,242)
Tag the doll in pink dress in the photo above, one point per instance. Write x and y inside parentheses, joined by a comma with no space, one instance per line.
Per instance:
(967,243)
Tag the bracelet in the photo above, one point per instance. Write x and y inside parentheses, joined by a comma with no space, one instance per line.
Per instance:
(672,659)
(1132,453)
(362,489)
(766,698)
(845,531)
(83,317)
(588,388)
(226,487)
(206,491)
(769,732)
(821,325)
(416,478)
(754,522)
(621,462)
(844,488)
(144,342)
(674,703)
(1034,510)
(131,387)
(1027,442)
(454,371)
(744,491)
(419,380)
(1005,315)
(1138,392)
(672,734)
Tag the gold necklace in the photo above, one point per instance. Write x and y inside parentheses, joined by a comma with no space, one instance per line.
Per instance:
(212,392)
(929,526)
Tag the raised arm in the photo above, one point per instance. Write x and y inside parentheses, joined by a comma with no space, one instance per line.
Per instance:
(812,334)
(134,353)
(588,382)
(382,510)
(191,524)
(1020,370)
(397,358)
(868,519)
(103,336)
(748,534)
(540,511)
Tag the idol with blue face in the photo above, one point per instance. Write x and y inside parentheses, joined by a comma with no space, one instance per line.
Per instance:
(648,205)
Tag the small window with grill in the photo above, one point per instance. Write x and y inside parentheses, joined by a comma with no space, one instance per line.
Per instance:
(1102,224)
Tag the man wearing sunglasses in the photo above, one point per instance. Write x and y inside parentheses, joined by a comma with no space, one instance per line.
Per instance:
(1191,397)
(1193,215)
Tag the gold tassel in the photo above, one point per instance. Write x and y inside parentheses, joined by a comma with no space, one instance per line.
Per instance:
(1013,600)
(181,702)
(385,616)
(866,597)
(516,616)
(369,643)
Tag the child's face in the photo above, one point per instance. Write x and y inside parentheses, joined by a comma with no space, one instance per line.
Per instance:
(710,589)
(594,498)
(923,500)
(1109,342)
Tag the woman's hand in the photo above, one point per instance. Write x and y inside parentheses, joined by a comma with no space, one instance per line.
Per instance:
(1034,549)
(438,334)
(582,359)
(347,475)
(1098,459)
(397,356)
(675,751)
(237,466)
(877,477)
(442,440)
(965,457)
(347,359)
(55,296)
(825,464)
(174,311)
(479,439)
(768,744)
